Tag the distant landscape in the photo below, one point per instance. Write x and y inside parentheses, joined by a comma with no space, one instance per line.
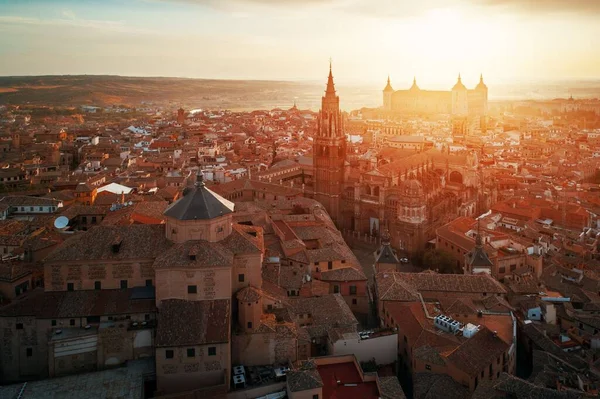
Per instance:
(233,94)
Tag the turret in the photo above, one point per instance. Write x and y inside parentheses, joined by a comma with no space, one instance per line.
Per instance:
(387,95)
(414,86)
(459,98)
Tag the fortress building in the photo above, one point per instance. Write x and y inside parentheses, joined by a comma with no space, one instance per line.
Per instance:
(467,107)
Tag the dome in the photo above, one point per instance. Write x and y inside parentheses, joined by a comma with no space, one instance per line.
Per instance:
(411,188)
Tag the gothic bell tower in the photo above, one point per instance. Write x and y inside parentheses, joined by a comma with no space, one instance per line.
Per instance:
(329,152)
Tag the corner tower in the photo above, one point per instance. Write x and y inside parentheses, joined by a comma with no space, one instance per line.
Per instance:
(329,151)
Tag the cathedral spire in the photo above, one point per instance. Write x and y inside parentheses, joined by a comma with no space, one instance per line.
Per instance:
(330,86)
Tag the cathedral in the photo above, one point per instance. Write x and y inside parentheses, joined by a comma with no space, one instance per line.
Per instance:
(410,197)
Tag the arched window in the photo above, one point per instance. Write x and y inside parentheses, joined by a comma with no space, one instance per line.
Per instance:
(368,190)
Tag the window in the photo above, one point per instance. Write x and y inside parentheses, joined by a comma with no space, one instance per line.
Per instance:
(84,219)
(97,285)
(93,219)
(29,352)
(149,283)
(146,317)
(427,367)
(169,354)
(53,323)
(72,322)
(336,289)
(191,352)
(502,269)
(316,263)
(269,307)
(354,301)
(249,324)
(70,287)
(405,339)
(19,326)
(315,396)
(329,265)
(513,267)
(352,290)
(40,208)
(212,351)
(241,278)
(192,289)
(123,283)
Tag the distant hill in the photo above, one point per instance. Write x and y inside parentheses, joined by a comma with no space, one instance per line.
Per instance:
(190,93)
(77,90)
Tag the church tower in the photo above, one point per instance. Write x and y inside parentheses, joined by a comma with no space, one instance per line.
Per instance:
(329,152)
(387,96)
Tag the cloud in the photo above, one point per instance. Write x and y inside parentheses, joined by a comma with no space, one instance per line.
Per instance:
(69,14)
(367,8)
(543,6)
(113,26)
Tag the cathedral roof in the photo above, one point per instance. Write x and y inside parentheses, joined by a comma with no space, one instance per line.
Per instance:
(199,203)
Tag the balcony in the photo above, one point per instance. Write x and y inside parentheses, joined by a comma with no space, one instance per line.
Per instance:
(374,199)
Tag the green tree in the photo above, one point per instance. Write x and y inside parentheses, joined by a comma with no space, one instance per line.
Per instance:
(440,261)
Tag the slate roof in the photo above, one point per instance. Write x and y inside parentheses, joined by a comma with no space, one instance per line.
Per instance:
(183,323)
(386,255)
(478,257)
(199,203)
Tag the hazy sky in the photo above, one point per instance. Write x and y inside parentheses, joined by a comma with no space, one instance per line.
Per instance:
(293,39)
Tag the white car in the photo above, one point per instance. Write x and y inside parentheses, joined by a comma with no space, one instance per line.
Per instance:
(403,260)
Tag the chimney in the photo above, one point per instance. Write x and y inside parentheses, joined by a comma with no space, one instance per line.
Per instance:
(116,244)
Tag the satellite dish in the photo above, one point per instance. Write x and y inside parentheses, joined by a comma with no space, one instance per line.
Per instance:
(61,222)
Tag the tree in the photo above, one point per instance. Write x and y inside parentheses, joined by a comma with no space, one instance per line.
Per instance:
(440,261)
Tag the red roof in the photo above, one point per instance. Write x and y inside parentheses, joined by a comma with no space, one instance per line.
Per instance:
(347,374)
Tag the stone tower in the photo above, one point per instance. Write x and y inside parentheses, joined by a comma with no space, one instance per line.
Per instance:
(329,152)
(387,96)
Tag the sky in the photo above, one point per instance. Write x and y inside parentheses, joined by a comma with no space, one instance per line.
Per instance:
(367,40)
